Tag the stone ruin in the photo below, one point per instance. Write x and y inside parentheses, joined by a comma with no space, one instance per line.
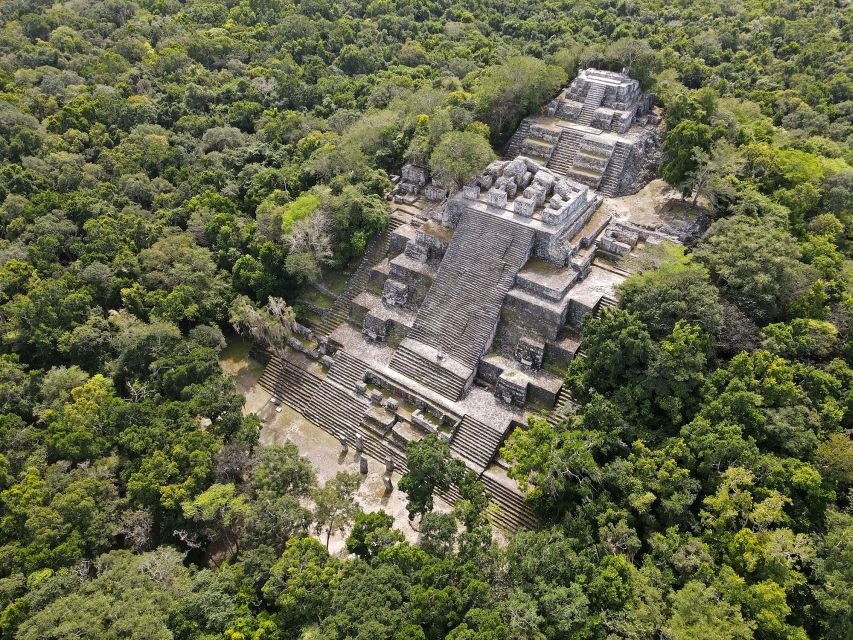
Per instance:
(415,179)
(600,131)
(472,315)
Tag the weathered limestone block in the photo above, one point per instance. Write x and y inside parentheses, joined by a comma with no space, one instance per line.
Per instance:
(414,174)
(392,404)
(419,421)
(516,169)
(614,246)
(563,189)
(433,238)
(524,206)
(488,371)
(508,185)
(602,119)
(536,192)
(496,168)
(375,329)
(326,361)
(471,191)
(407,189)
(511,388)
(376,397)
(486,181)
(452,212)
(623,234)
(416,251)
(395,293)
(435,192)
(544,179)
(497,197)
(544,133)
(530,352)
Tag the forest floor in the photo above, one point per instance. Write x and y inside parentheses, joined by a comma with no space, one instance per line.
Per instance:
(280,424)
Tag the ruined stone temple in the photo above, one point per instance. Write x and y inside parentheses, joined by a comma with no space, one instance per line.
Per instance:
(465,311)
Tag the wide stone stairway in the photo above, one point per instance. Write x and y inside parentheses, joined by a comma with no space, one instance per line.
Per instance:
(461,309)
(514,146)
(328,403)
(610,180)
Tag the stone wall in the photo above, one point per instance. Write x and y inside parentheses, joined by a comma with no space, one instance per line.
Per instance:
(576,312)
(643,163)
(536,319)
(511,388)
(488,372)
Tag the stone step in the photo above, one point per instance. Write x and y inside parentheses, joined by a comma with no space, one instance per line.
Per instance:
(593,100)
(347,370)
(334,409)
(290,384)
(564,154)
(461,309)
(373,255)
(564,400)
(514,146)
(613,174)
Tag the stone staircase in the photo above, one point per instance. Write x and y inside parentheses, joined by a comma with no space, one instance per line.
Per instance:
(613,173)
(328,405)
(593,100)
(461,309)
(590,164)
(376,250)
(513,511)
(347,370)
(604,303)
(564,400)
(514,146)
(565,151)
(476,442)
(290,384)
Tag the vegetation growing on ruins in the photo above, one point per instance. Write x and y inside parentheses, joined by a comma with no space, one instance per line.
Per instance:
(169,168)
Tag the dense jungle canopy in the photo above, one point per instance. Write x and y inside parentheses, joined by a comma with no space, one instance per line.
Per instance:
(169,169)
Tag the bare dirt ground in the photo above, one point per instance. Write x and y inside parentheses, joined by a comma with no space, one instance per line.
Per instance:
(283,423)
(655,204)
